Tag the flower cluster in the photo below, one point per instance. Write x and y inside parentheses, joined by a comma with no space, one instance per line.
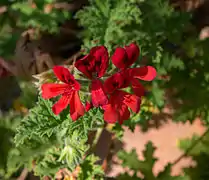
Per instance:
(106,94)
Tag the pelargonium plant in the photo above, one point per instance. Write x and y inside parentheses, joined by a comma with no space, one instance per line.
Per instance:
(105,89)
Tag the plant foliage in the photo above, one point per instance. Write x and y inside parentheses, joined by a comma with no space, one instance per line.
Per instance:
(32,137)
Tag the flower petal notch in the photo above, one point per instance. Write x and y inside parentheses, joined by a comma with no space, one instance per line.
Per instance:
(125,57)
(95,63)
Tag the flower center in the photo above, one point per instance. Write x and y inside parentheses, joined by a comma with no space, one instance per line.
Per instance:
(115,84)
(69,90)
(86,63)
(70,82)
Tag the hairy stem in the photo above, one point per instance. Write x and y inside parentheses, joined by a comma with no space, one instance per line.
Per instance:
(97,136)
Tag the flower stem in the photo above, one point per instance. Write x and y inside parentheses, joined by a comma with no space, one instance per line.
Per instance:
(97,136)
(96,140)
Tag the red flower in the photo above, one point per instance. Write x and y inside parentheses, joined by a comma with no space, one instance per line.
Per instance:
(94,66)
(125,57)
(68,91)
(120,101)
(117,109)
(116,81)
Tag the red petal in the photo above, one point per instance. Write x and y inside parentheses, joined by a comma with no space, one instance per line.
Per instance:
(88,106)
(117,81)
(125,57)
(95,62)
(63,74)
(110,114)
(146,73)
(132,101)
(76,85)
(61,104)
(76,107)
(119,58)
(137,88)
(98,96)
(132,52)
(53,90)
(124,113)
(101,59)
(85,65)
(117,109)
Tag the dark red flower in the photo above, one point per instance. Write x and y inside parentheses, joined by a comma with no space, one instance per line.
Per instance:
(120,101)
(68,91)
(123,58)
(117,81)
(117,109)
(95,63)
(94,66)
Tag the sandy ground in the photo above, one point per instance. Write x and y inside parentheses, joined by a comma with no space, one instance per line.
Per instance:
(165,139)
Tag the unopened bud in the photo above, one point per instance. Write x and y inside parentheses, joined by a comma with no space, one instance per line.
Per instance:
(45,77)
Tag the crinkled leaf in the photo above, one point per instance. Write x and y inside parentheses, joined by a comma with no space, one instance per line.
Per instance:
(90,170)
(74,149)
(40,122)
(166,175)
(145,166)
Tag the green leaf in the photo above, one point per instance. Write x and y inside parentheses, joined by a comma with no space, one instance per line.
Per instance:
(130,159)
(157,95)
(40,122)
(118,131)
(105,21)
(200,171)
(37,18)
(8,123)
(48,164)
(74,150)
(29,94)
(166,175)
(90,170)
(126,176)
(201,147)
(172,62)
(5,145)
(145,166)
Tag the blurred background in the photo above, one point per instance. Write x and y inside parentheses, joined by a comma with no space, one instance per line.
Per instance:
(173,36)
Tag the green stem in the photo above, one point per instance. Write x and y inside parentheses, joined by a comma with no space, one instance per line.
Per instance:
(96,139)
(97,136)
